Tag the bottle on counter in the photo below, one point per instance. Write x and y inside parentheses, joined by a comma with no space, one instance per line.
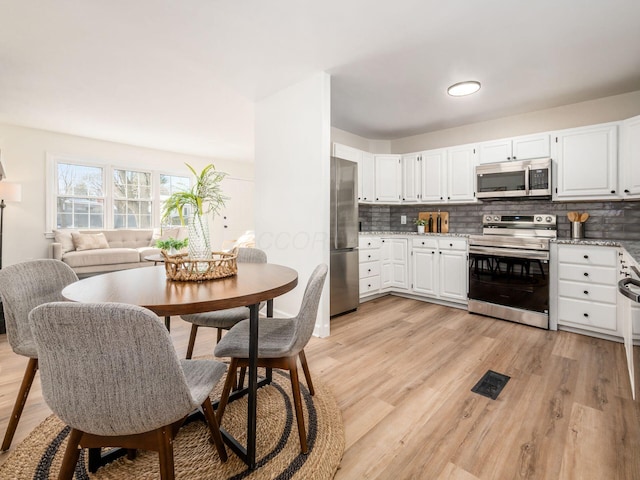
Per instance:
(430,222)
(439,223)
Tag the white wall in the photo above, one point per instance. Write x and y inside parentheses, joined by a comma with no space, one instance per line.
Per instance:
(361,143)
(23,152)
(292,171)
(607,109)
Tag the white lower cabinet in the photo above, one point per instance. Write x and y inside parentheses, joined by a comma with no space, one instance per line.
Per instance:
(369,253)
(424,266)
(394,263)
(439,268)
(587,289)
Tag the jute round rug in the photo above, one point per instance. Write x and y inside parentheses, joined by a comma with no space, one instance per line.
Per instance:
(39,456)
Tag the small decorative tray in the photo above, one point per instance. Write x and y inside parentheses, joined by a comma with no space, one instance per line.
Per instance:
(183,269)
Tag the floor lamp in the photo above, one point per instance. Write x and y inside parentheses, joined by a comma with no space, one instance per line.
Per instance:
(11,192)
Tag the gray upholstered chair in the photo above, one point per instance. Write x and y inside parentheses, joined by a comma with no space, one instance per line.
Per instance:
(223,319)
(280,342)
(24,286)
(110,372)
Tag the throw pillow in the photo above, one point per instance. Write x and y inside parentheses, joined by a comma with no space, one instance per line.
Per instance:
(89,241)
(63,237)
(166,233)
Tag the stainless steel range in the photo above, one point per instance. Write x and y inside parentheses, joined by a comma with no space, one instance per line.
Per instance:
(509,268)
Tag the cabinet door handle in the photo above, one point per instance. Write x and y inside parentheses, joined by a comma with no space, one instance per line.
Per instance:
(586,292)
(586,315)
(508,158)
(586,274)
(451,244)
(613,191)
(586,257)
(626,191)
(369,256)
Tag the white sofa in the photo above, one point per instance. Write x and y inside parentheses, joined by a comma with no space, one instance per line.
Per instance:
(123,249)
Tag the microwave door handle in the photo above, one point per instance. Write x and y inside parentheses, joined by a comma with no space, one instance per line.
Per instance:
(527,174)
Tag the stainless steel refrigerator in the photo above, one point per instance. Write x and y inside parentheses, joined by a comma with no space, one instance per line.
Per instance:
(345,278)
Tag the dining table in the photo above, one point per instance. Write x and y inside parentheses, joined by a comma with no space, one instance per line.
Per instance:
(149,287)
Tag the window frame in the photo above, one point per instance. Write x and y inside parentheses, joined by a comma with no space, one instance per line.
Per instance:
(108,168)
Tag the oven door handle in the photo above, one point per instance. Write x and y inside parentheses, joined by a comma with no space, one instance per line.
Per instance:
(510,252)
(527,174)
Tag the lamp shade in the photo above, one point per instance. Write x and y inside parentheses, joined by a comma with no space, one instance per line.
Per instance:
(10,192)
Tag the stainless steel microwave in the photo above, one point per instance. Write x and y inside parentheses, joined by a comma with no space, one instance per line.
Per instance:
(523,178)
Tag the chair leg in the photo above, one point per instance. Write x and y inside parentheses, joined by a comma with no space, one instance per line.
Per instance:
(241,376)
(219,335)
(307,373)
(165,452)
(23,393)
(214,429)
(297,401)
(71,455)
(228,383)
(192,340)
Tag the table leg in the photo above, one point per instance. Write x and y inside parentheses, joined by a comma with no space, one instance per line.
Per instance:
(167,323)
(269,315)
(253,385)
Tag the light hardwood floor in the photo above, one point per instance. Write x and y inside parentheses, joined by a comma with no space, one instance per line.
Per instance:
(402,370)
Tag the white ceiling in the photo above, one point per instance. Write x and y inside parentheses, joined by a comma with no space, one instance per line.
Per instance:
(184,75)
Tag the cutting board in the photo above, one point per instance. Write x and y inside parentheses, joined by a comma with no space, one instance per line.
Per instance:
(434,215)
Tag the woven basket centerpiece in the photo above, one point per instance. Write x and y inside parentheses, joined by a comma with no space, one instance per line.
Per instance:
(182,268)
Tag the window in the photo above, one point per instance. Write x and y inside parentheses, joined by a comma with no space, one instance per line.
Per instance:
(80,196)
(170,184)
(93,194)
(132,204)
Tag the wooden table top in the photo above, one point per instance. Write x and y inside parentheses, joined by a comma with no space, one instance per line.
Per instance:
(149,287)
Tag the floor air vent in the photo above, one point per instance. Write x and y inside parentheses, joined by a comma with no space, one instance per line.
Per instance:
(491,384)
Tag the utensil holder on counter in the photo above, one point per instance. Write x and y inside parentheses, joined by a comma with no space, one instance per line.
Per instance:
(577,230)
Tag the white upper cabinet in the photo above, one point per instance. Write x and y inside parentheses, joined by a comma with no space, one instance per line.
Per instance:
(434,166)
(630,158)
(517,148)
(461,165)
(367,173)
(586,162)
(411,178)
(388,175)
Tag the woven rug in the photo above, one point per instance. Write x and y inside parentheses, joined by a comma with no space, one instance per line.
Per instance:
(278,449)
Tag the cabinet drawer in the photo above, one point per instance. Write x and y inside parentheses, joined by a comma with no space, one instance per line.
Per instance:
(424,243)
(369,285)
(599,256)
(588,274)
(369,269)
(369,242)
(588,315)
(452,244)
(369,255)
(586,292)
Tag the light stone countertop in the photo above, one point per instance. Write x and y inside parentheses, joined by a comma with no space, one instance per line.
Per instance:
(387,234)
(631,246)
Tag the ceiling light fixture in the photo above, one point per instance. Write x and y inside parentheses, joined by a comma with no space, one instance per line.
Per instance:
(463,88)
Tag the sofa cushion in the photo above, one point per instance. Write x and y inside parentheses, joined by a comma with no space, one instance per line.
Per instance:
(106,256)
(89,241)
(63,237)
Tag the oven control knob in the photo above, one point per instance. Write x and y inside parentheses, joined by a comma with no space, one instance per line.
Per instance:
(496,218)
(538,219)
(548,219)
(488,218)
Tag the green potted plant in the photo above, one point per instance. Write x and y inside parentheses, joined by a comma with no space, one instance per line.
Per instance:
(420,223)
(171,245)
(204,198)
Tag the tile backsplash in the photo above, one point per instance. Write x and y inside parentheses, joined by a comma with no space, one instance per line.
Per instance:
(614,220)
